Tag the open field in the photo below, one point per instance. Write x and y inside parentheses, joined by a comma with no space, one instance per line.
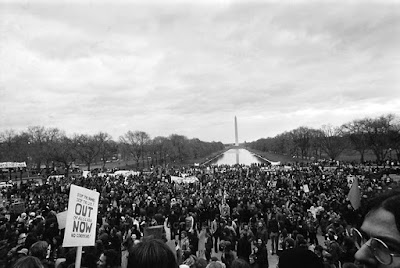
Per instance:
(347,155)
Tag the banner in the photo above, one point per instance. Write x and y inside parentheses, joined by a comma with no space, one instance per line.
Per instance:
(12,164)
(191,179)
(80,228)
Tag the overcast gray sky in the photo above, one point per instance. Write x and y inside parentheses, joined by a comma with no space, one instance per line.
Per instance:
(188,67)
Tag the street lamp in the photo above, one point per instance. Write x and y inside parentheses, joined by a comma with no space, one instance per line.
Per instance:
(148,162)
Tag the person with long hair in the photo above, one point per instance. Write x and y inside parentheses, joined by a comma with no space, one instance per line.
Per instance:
(28,262)
(261,253)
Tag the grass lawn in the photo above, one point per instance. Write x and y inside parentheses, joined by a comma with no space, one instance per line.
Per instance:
(347,155)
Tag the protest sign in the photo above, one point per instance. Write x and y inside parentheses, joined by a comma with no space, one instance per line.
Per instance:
(17,208)
(154,231)
(305,188)
(80,228)
(62,219)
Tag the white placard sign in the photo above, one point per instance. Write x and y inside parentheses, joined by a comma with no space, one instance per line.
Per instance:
(80,228)
(305,188)
(62,219)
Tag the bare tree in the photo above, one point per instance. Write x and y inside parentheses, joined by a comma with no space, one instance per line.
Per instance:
(356,131)
(378,130)
(179,150)
(40,140)
(315,143)
(107,147)
(7,143)
(37,143)
(135,143)
(332,141)
(394,138)
(87,148)
(162,146)
(302,140)
(64,151)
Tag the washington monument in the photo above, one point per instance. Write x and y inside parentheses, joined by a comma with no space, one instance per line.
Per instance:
(236,133)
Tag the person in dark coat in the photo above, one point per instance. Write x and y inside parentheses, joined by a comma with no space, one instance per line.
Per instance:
(244,247)
(273,228)
(209,244)
(261,254)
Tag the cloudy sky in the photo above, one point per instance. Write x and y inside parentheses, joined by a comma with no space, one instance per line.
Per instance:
(188,67)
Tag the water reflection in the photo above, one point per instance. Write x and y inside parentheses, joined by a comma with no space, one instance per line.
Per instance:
(236,156)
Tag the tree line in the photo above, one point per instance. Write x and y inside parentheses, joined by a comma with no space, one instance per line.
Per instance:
(39,146)
(380,135)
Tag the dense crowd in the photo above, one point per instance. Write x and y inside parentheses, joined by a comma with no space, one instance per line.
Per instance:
(230,213)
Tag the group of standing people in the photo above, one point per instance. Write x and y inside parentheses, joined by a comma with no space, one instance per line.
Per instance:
(231,213)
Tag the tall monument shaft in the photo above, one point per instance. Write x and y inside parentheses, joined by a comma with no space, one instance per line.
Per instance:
(236,133)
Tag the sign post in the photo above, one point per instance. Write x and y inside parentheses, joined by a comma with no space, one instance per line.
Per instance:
(80,227)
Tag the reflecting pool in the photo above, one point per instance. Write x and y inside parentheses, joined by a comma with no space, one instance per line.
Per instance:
(236,156)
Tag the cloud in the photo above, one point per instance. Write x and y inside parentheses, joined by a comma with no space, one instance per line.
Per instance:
(190,67)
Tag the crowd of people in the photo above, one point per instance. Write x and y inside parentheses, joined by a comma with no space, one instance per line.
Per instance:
(233,216)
